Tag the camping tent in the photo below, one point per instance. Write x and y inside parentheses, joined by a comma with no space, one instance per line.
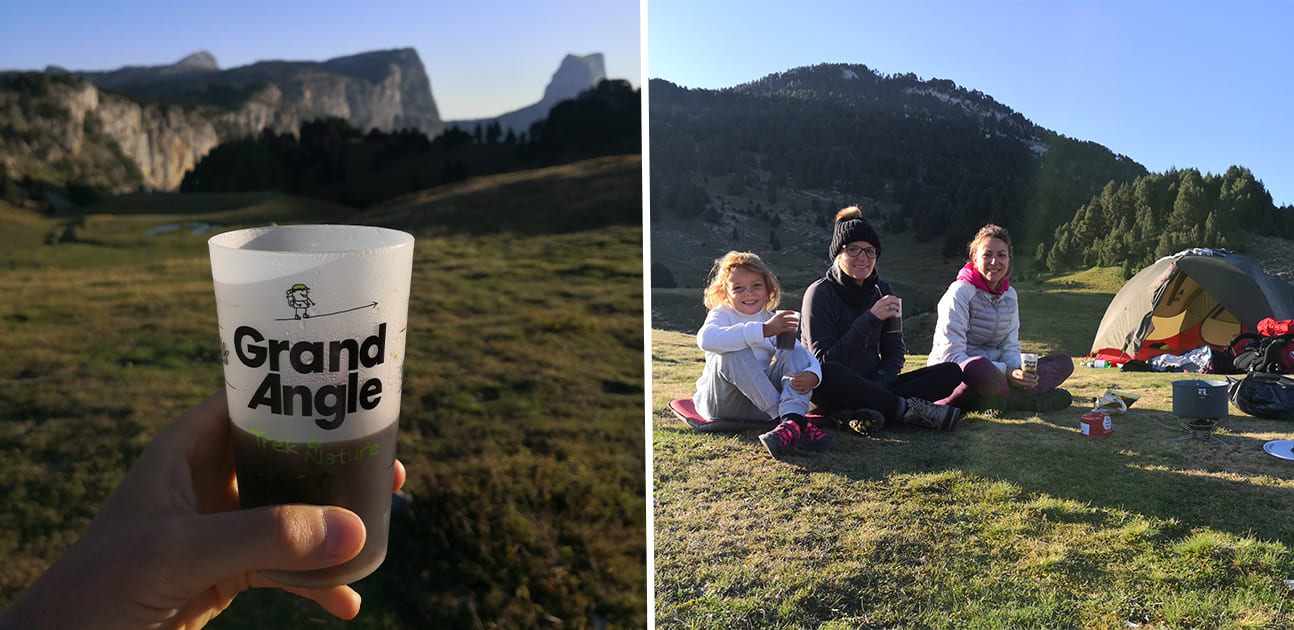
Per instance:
(1186,300)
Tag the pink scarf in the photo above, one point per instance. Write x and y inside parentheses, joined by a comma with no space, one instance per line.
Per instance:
(970,274)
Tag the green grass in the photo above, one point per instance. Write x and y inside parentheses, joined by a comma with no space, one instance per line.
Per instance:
(1011,521)
(521,420)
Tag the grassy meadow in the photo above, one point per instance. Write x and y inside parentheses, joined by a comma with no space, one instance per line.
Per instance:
(1014,520)
(522,411)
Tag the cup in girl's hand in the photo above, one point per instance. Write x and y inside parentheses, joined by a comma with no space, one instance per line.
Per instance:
(786,340)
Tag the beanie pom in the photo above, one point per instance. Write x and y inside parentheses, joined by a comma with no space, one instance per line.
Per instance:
(852,212)
(852,227)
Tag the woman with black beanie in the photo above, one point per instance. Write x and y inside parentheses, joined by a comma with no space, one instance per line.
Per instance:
(852,322)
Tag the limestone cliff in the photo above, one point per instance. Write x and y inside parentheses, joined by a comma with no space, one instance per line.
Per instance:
(146,126)
(65,125)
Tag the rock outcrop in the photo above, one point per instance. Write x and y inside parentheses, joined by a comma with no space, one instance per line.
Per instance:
(144,127)
(576,74)
(98,138)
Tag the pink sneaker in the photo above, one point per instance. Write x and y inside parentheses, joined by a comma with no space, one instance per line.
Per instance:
(781,439)
(814,439)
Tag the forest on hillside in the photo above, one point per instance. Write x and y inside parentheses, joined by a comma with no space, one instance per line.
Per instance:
(949,159)
(329,159)
(1132,224)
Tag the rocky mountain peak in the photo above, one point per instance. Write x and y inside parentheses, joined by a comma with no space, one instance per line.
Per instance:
(201,60)
(576,74)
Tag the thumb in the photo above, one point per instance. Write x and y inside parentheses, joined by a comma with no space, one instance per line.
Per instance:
(282,537)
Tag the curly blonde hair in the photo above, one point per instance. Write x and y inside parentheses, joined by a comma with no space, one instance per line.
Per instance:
(716,291)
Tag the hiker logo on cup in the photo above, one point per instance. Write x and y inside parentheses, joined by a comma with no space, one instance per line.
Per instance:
(299,301)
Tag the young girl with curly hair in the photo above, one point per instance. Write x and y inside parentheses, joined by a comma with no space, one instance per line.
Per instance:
(746,376)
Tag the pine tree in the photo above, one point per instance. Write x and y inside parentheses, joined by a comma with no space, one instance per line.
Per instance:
(1190,208)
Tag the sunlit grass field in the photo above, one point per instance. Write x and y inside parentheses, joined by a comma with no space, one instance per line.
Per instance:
(522,411)
(1012,521)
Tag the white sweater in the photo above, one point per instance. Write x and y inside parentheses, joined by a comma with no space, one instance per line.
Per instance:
(976,323)
(728,330)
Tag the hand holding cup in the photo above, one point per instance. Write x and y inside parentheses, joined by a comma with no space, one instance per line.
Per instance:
(312,325)
(780,322)
(1026,376)
(786,325)
(888,307)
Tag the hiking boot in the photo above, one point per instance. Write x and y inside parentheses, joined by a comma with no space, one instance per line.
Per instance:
(860,421)
(812,438)
(923,413)
(782,438)
(1052,400)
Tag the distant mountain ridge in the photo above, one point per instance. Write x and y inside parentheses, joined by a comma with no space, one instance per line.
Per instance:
(386,89)
(921,155)
(146,126)
(201,61)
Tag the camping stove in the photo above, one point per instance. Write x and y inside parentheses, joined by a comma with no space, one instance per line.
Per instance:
(1200,429)
(1199,404)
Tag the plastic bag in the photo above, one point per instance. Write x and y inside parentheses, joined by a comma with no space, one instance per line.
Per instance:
(1263,395)
(1114,402)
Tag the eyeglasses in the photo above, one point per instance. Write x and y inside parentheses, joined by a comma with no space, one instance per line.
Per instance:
(854,251)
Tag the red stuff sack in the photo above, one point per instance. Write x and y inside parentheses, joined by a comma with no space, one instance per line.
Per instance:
(1273,327)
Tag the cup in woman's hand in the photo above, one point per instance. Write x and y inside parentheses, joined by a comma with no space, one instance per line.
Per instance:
(1029,362)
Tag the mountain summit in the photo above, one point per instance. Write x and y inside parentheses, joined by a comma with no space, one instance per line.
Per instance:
(576,74)
(201,60)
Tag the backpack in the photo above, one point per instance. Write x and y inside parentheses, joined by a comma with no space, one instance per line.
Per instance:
(1274,354)
(1224,357)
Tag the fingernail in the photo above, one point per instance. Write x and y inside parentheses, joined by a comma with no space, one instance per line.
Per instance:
(343,532)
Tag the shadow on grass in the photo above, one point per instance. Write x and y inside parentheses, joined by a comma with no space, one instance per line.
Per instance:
(1229,487)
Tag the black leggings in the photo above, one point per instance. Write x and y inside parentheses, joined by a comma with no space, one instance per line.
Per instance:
(843,388)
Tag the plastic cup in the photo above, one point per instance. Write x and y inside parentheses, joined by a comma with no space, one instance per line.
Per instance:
(786,340)
(312,329)
(1029,362)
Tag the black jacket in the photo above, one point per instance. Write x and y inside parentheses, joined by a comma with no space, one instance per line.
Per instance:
(839,327)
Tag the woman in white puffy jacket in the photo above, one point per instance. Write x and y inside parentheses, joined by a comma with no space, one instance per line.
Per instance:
(979,326)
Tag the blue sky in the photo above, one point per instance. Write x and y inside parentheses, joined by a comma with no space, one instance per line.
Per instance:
(484,57)
(1186,84)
